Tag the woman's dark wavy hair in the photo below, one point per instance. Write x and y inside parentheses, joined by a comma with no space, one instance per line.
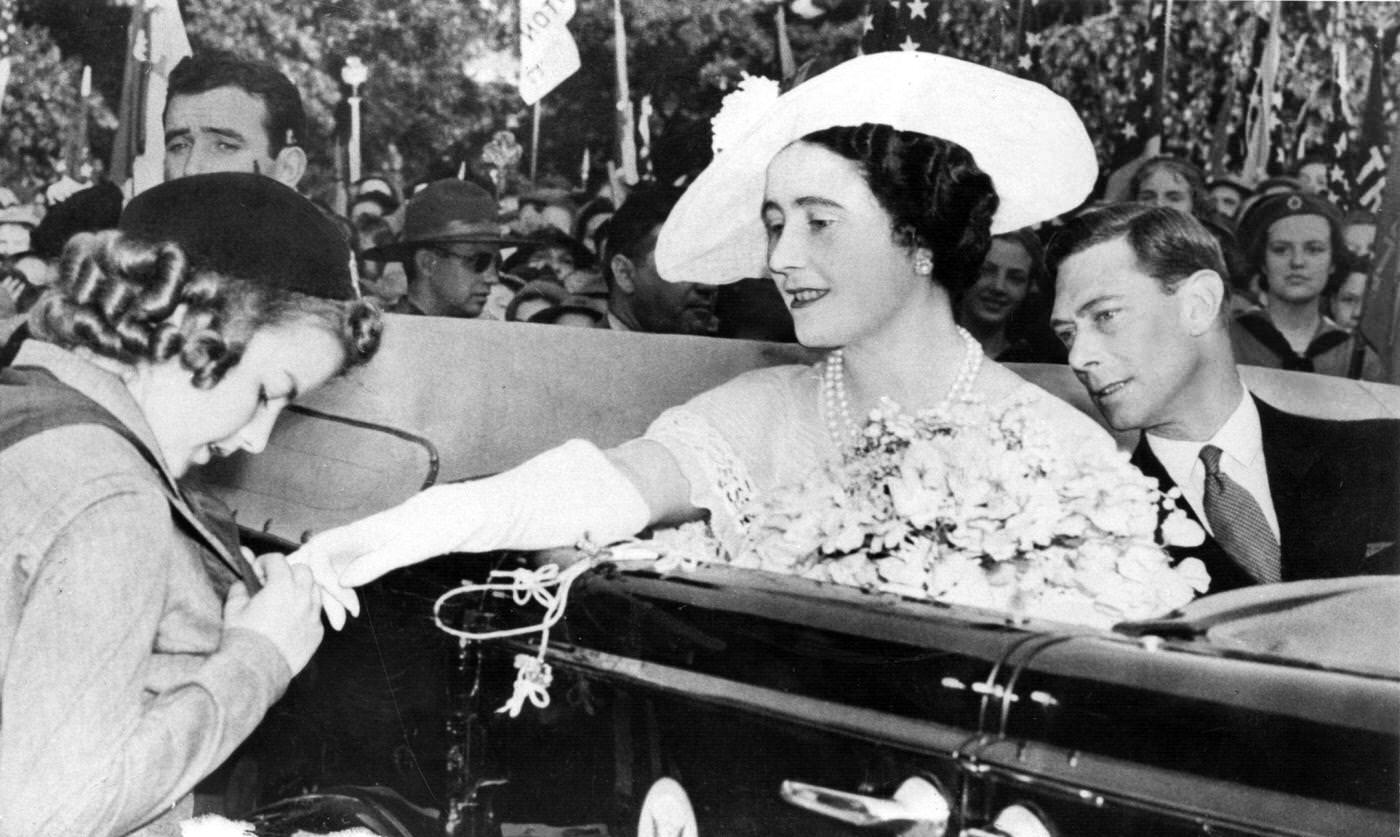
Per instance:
(122,297)
(1336,236)
(931,187)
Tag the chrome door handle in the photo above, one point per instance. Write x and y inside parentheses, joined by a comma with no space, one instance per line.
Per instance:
(917,803)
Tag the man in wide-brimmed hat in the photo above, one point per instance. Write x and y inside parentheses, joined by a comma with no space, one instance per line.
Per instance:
(450,250)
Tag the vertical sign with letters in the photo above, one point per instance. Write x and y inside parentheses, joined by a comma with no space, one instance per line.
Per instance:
(548,54)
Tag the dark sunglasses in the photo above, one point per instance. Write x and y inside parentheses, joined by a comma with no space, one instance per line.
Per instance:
(478,262)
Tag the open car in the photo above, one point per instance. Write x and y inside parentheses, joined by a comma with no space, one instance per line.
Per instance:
(732,702)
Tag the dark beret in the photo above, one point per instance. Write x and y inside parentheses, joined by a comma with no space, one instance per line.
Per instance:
(92,209)
(1265,211)
(247,226)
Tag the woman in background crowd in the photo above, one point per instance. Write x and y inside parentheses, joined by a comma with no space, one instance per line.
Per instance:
(1345,306)
(1294,244)
(1006,307)
(1174,182)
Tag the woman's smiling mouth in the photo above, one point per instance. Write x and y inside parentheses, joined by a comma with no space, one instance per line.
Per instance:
(805,297)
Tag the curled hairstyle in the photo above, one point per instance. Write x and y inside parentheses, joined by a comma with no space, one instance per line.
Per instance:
(933,190)
(1169,245)
(133,301)
(211,69)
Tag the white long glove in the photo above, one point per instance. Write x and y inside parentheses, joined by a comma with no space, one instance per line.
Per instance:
(552,500)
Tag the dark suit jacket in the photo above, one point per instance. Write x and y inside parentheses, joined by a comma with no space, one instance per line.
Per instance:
(1336,489)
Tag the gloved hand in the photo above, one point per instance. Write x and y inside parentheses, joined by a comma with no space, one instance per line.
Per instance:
(552,500)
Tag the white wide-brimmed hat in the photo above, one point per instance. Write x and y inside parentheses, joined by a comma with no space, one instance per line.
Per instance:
(1027,138)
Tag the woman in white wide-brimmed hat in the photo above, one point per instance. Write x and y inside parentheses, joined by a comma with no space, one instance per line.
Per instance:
(870,193)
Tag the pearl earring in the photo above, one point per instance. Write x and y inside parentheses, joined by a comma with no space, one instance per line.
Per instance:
(923,265)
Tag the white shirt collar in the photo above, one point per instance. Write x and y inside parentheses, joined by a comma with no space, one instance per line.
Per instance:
(1241,443)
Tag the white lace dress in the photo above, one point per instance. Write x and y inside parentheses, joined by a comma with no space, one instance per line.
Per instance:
(765,429)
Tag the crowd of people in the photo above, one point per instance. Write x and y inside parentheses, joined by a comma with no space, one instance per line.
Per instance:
(556,253)
(904,239)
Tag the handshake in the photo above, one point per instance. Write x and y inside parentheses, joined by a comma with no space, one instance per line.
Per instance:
(549,501)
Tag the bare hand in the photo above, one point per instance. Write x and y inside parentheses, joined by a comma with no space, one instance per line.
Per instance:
(287,610)
(13,286)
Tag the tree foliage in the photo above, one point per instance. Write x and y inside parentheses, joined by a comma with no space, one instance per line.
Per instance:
(41,104)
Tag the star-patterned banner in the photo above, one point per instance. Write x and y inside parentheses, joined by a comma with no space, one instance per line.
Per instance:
(901,24)
(1143,119)
(1029,40)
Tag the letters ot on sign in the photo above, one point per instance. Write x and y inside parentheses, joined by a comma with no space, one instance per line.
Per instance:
(548,54)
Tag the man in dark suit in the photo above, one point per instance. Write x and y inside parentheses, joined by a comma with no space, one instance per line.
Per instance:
(1143,307)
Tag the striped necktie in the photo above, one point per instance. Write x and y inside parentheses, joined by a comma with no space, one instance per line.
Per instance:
(1238,522)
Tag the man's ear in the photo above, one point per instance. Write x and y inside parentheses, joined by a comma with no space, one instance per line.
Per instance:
(1202,295)
(624,273)
(424,259)
(290,165)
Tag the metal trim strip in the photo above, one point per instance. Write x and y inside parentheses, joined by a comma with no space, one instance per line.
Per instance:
(1099,781)
(867,724)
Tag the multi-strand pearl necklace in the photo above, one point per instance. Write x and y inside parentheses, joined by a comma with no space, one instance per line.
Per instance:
(842,426)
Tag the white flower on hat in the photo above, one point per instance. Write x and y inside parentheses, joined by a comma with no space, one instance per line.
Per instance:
(741,110)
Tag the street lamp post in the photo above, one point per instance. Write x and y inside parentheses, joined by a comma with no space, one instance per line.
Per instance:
(354,74)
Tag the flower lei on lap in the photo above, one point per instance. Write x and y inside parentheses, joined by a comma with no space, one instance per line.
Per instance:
(967,507)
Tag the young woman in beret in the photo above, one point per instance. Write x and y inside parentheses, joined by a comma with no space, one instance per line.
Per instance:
(138,647)
(871,194)
(1294,243)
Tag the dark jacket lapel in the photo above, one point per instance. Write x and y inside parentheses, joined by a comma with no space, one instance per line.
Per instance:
(1225,574)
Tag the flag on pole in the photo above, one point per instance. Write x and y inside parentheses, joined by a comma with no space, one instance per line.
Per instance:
(1220,130)
(1263,99)
(1335,150)
(1029,40)
(1246,73)
(156,42)
(1140,134)
(901,24)
(1368,169)
(1380,318)
(626,128)
(8,30)
(548,54)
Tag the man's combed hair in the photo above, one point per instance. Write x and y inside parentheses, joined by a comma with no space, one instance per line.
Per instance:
(212,69)
(133,301)
(1169,244)
(628,231)
(932,188)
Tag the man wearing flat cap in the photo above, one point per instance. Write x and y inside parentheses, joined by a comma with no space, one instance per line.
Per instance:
(450,250)
(1142,304)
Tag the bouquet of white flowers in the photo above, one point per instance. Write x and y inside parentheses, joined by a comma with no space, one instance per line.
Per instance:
(971,508)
